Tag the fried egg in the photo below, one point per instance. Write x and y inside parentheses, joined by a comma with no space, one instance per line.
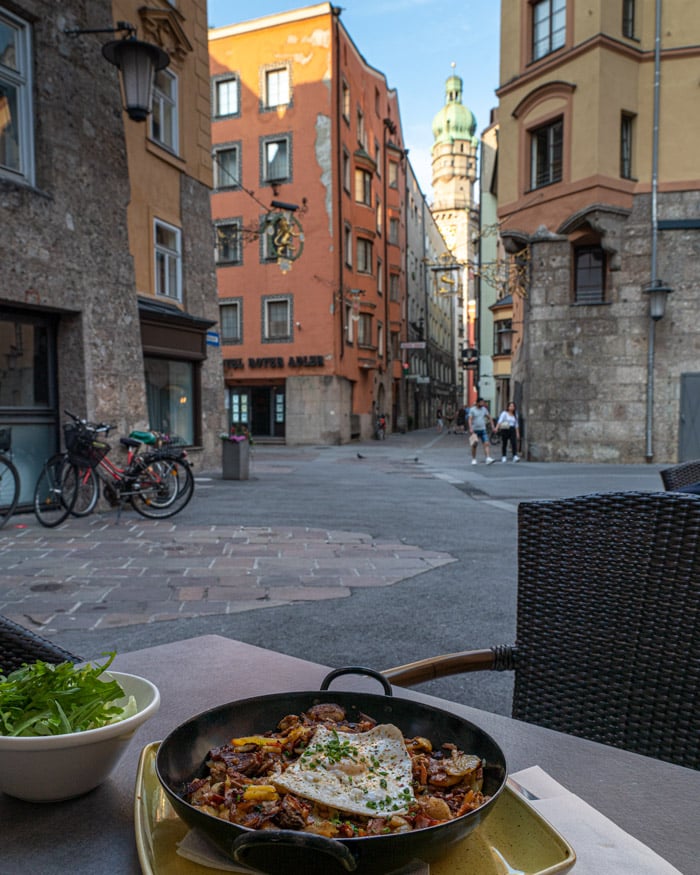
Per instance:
(365,773)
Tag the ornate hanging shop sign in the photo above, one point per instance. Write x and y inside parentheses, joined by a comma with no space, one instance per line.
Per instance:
(285,238)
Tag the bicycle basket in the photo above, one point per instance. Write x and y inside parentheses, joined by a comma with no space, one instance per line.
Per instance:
(83,449)
(5,440)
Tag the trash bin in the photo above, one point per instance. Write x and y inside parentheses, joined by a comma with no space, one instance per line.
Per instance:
(235,459)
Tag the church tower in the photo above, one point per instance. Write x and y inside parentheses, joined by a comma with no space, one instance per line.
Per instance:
(454,209)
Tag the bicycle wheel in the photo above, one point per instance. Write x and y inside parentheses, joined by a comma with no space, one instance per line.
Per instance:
(9,489)
(165,487)
(88,491)
(55,492)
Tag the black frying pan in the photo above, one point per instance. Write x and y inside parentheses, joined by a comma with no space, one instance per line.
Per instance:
(181,758)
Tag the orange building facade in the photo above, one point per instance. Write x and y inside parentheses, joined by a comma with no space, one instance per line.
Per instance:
(309,193)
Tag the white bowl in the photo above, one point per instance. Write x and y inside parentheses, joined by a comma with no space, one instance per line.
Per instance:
(55,767)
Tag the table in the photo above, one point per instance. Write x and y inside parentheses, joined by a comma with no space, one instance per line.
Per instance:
(95,835)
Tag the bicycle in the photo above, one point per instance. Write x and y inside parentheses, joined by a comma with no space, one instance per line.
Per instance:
(158,483)
(9,477)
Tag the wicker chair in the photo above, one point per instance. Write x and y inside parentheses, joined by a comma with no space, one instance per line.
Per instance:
(685,474)
(19,645)
(608,623)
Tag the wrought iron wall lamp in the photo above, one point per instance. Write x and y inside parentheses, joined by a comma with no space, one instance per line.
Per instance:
(137,62)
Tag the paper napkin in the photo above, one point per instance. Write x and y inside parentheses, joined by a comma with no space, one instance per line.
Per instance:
(600,845)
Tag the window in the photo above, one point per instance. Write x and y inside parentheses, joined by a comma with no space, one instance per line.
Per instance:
(380,218)
(393,286)
(393,174)
(276,87)
(363,186)
(365,257)
(228,242)
(227,171)
(380,277)
(503,337)
(364,330)
(276,319)
(168,260)
(275,159)
(380,338)
(230,318)
(348,245)
(346,171)
(378,158)
(164,128)
(350,320)
(345,97)
(226,96)
(361,133)
(626,131)
(589,275)
(548,27)
(628,18)
(394,231)
(170,394)
(546,152)
(16,123)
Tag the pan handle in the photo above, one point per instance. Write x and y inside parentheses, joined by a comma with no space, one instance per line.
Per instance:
(357,669)
(257,846)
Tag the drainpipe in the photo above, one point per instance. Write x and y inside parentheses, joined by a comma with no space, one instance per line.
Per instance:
(340,297)
(649,456)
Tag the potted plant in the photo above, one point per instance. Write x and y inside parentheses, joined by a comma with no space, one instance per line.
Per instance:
(235,453)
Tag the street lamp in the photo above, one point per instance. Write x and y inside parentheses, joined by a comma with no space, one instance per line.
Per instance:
(137,62)
(658,292)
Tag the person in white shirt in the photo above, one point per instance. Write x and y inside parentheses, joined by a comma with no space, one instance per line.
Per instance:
(476,421)
(509,430)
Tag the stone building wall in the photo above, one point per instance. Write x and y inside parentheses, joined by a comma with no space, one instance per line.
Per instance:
(64,245)
(582,370)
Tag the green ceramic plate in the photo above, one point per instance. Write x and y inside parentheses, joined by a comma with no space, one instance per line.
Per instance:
(512,840)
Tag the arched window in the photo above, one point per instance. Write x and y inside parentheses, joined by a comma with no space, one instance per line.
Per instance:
(589,274)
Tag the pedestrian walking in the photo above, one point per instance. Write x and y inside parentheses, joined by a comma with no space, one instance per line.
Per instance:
(477,419)
(461,425)
(440,422)
(509,430)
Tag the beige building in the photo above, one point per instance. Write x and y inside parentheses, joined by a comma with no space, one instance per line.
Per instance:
(604,204)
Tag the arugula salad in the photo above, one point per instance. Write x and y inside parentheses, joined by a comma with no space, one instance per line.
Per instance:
(44,699)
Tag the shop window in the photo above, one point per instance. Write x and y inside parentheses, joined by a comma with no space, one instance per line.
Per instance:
(589,274)
(276,319)
(170,394)
(546,154)
(548,27)
(227,170)
(226,96)
(164,118)
(16,109)
(228,242)
(168,260)
(230,318)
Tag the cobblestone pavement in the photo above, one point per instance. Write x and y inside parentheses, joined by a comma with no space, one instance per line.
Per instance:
(98,573)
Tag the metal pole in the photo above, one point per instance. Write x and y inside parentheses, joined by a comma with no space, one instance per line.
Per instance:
(654,232)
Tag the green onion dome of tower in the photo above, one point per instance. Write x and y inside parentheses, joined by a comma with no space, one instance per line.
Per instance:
(454,121)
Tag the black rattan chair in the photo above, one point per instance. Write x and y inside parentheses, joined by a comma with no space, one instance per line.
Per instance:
(19,645)
(678,476)
(608,623)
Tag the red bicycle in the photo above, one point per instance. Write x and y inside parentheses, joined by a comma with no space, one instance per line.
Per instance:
(157,482)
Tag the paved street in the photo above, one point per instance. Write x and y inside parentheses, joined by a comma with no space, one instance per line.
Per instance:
(372,554)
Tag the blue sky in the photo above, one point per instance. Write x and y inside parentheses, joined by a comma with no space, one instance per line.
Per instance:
(413,42)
